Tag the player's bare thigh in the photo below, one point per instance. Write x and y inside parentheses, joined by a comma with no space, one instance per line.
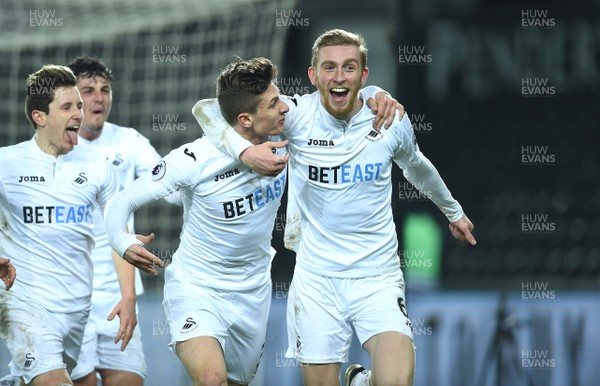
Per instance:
(120,378)
(392,358)
(58,377)
(203,360)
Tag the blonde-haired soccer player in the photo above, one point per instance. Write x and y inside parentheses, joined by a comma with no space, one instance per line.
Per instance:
(340,223)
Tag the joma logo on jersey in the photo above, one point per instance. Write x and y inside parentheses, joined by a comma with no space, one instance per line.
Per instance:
(31,179)
(320,142)
(227,174)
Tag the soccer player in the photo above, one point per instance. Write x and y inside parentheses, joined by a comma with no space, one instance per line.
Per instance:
(340,223)
(49,190)
(131,155)
(218,287)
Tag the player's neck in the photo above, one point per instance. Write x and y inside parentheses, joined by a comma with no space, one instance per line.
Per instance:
(250,135)
(46,146)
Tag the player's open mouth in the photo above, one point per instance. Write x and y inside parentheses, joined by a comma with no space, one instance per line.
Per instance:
(98,110)
(338,94)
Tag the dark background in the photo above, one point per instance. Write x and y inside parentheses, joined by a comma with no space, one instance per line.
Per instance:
(470,95)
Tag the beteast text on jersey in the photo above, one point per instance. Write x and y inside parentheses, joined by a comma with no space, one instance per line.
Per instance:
(344,174)
(256,199)
(58,214)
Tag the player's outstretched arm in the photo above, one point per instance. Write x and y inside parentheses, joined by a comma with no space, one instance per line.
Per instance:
(8,273)
(140,193)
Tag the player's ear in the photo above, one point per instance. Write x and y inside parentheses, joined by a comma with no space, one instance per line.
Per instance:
(311,75)
(245,120)
(365,74)
(39,117)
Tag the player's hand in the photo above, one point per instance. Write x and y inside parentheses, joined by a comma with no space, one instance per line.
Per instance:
(140,257)
(8,273)
(127,319)
(462,229)
(261,159)
(385,108)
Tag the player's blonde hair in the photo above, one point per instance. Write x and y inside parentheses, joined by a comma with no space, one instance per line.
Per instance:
(339,37)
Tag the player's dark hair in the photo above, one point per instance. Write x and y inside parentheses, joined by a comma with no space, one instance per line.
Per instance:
(41,86)
(339,37)
(240,85)
(89,67)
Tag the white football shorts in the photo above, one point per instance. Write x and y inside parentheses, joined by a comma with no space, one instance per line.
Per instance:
(99,351)
(39,341)
(322,311)
(237,319)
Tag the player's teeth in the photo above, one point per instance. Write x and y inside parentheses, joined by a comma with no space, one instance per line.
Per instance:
(339,90)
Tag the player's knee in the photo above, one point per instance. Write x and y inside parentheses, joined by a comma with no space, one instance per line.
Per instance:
(397,380)
(211,378)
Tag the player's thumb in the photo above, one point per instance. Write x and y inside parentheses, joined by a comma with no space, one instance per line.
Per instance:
(112,315)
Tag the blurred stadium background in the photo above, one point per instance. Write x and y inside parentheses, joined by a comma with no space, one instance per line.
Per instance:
(504,99)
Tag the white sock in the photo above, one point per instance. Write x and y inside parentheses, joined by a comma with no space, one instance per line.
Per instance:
(361,379)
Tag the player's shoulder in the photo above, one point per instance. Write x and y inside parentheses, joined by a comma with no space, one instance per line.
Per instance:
(85,153)
(301,101)
(15,150)
(200,151)
(121,132)
(191,162)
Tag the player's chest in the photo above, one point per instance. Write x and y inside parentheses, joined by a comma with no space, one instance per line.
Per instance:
(75,182)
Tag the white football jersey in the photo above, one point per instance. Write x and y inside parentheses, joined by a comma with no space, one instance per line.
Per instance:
(340,185)
(228,218)
(339,216)
(131,155)
(47,213)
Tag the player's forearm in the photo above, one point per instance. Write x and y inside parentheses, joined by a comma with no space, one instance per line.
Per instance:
(426,178)
(140,193)
(370,91)
(218,131)
(125,275)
